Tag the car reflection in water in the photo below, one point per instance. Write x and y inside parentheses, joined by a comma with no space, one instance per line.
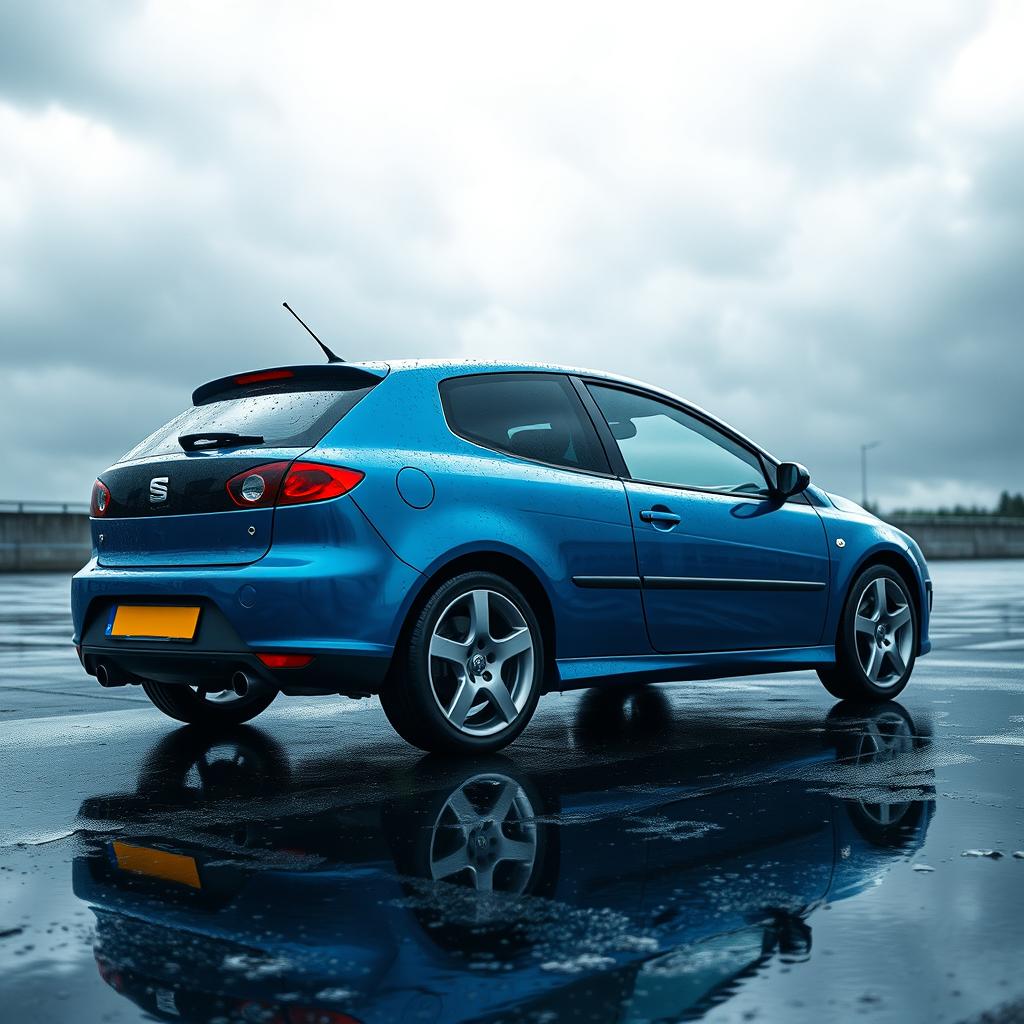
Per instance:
(640,874)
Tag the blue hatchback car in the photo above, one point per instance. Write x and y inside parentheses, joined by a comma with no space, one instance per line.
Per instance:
(462,537)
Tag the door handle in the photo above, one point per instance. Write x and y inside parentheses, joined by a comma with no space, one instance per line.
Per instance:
(660,517)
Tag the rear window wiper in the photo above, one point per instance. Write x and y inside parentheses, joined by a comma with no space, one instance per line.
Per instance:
(217,439)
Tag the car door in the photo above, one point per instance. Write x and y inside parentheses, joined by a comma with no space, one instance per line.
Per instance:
(724,566)
(534,479)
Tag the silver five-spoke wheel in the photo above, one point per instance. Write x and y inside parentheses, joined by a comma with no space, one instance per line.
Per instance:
(884,631)
(469,676)
(481,662)
(485,836)
(887,737)
(876,638)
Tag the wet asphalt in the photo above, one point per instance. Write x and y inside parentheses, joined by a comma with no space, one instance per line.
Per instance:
(734,850)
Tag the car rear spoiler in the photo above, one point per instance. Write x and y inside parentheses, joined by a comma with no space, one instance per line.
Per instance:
(332,377)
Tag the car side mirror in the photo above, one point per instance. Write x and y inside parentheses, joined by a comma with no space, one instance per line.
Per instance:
(791,478)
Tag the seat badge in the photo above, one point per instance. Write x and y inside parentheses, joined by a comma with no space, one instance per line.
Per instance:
(158,489)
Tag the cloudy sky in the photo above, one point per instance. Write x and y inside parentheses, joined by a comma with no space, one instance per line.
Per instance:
(808,219)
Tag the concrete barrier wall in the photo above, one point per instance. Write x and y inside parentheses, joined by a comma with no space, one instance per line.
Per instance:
(57,541)
(43,541)
(964,536)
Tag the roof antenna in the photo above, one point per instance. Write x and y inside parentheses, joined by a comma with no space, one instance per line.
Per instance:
(331,356)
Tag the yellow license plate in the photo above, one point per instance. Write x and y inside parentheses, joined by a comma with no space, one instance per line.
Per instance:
(171,867)
(154,622)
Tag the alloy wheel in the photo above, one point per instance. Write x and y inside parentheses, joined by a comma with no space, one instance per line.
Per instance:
(481,662)
(887,737)
(884,631)
(485,835)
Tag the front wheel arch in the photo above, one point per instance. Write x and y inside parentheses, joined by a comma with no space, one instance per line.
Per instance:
(891,560)
(847,677)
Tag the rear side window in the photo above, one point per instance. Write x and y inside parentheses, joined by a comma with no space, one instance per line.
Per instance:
(531,415)
(284,419)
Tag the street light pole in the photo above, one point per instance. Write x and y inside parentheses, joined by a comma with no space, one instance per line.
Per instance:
(864,449)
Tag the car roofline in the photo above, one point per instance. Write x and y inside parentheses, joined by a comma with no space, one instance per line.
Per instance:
(468,367)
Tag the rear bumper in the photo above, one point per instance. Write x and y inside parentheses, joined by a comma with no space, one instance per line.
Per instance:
(330,588)
(340,664)
(354,675)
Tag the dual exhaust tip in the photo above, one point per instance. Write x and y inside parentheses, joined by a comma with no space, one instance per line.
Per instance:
(240,681)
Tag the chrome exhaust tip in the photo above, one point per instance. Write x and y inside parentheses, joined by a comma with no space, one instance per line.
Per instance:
(102,675)
(240,683)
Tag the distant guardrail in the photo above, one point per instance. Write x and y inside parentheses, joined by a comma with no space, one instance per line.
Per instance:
(81,507)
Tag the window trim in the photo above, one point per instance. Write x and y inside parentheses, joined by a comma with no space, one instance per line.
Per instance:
(608,439)
(587,419)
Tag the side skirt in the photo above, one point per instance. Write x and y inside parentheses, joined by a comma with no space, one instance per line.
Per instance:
(575,673)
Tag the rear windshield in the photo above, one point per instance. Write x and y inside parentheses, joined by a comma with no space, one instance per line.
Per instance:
(284,419)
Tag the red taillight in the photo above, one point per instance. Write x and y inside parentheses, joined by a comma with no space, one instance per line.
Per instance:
(309,481)
(305,1015)
(285,660)
(100,499)
(259,378)
(277,483)
(251,1009)
(109,975)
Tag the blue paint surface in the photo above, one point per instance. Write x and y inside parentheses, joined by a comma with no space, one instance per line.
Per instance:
(344,574)
(415,487)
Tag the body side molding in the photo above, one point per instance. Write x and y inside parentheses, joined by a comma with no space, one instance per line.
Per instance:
(691,583)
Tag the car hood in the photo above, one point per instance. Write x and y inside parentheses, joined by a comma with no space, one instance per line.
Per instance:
(846,505)
(849,507)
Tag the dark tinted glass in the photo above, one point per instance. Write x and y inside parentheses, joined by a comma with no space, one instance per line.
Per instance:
(284,419)
(663,444)
(534,416)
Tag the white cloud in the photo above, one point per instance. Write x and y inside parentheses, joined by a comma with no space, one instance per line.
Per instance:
(802,217)
(986,81)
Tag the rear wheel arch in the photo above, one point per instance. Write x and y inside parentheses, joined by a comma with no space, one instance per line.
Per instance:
(501,564)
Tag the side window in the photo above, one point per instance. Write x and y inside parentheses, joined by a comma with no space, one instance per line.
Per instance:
(534,416)
(664,445)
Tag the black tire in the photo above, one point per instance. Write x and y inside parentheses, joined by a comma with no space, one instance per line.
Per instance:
(847,679)
(184,704)
(408,697)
